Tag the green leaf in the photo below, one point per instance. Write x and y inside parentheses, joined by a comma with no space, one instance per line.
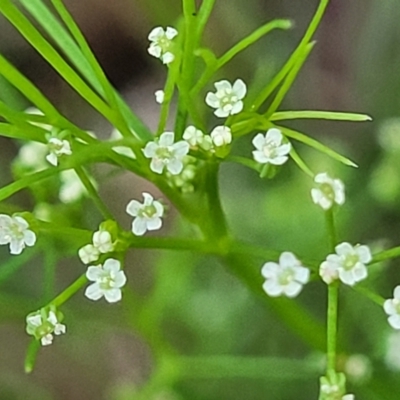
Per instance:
(271,369)
(300,163)
(252,38)
(301,137)
(280,76)
(288,82)
(330,115)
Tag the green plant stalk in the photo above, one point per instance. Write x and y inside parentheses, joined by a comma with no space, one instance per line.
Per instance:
(328,115)
(333,292)
(101,206)
(69,292)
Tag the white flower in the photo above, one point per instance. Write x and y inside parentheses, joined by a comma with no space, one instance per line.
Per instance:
(348,397)
(43,325)
(227,99)
(348,264)
(15,232)
(287,277)
(147,215)
(193,136)
(166,153)
(159,96)
(221,135)
(108,280)
(328,192)
(161,41)
(72,188)
(269,148)
(102,240)
(392,308)
(89,253)
(57,148)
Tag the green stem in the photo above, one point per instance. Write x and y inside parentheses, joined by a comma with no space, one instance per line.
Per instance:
(69,291)
(386,255)
(93,193)
(333,292)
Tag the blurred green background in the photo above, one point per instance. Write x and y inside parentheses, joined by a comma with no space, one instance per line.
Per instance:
(188,303)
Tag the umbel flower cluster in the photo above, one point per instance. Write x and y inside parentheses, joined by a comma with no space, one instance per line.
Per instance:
(183,162)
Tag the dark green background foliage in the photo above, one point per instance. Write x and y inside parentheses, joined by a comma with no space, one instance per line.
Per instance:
(188,304)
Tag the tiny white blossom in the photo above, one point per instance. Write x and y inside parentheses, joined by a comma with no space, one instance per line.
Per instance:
(43,325)
(57,148)
(108,280)
(269,148)
(147,215)
(102,240)
(286,277)
(348,397)
(227,99)
(159,96)
(348,264)
(89,253)
(221,135)
(161,43)
(328,192)
(392,308)
(193,136)
(15,232)
(165,153)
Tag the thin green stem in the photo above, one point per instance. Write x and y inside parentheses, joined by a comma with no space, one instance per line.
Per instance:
(69,291)
(93,193)
(386,255)
(333,292)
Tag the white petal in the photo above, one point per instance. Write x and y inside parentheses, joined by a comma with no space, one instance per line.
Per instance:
(94,273)
(389,307)
(288,259)
(150,149)
(272,288)
(139,226)
(47,339)
(344,249)
(170,33)
(113,295)
(364,253)
(175,166)
(16,246)
(322,178)
(52,159)
(259,141)
(212,100)
(260,157)
(284,149)
(240,88)
(148,199)
(223,85)
(157,165)
(112,265)
(270,269)
(29,238)
(166,139)
(274,135)
(220,113)
(93,292)
(394,321)
(120,279)
(396,292)
(278,160)
(156,33)
(302,274)
(180,149)
(237,107)
(293,289)
(154,224)
(360,272)
(347,277)
(167,57)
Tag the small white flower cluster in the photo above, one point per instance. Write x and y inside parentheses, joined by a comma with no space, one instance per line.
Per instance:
(348,264)
(43,324)
(102,244)
(286,277)
(228,99)
(14,231)
(328,192)
(57,147)
(270,148)
(108,279)
(220,136)
(161,45)
(333,387)
(147,215)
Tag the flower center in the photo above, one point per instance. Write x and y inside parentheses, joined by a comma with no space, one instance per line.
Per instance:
(350,261)
(164,153)
(16,231)
(285,277)
(164,43)
(147,211)
(327,191)
(106,282)
(269,150)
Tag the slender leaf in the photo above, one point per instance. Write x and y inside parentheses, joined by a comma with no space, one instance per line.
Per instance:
(301,137)
(252,38)
(300,163)
(330,115)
